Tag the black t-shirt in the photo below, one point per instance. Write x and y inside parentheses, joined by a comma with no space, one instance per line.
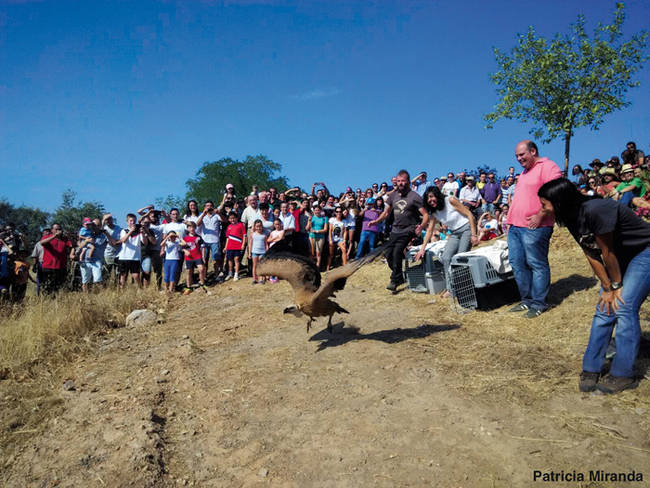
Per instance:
(602,216)
(406,211)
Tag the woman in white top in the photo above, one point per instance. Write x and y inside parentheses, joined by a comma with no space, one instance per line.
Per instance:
(192,214)
(338,235)
(458,219)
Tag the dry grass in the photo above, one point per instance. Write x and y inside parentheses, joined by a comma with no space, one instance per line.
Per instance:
(503,355)
(51,331)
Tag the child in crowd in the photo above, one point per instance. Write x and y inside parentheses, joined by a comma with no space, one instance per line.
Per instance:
(502,217)
(191,244)
(276,235)
(86,241)
(235,244)
(21,278)
(317,227)
(442,232)
(170,249)
(488,228)
(257,246)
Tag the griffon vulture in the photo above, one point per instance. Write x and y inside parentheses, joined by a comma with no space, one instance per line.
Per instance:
(311,297)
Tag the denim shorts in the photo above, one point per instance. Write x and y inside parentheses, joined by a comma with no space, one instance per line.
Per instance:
(146,264)
(91,270)
(171,268)
(212,250)
(257,255)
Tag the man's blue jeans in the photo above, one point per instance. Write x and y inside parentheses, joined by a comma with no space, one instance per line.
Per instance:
(367,237)
(528,255)
(636,287)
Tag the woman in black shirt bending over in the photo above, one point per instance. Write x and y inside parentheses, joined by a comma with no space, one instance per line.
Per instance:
(617,245)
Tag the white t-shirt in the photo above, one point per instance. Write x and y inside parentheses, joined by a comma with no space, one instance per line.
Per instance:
(172,249)
(337,230)
(450,189)
(490,224)
(211,228)
(178,227)
(157,231)
(451,217)
(131,247)
(250,215)
(288,222)
(268,226)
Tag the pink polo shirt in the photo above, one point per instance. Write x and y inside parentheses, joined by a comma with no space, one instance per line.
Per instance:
(525,201)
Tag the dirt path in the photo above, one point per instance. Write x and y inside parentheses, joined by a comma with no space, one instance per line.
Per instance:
(228,392)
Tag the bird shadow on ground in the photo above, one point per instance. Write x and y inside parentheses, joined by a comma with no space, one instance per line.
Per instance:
(342,335)
(565,287)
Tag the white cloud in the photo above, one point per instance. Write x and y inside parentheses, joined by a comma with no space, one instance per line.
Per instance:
(316,93)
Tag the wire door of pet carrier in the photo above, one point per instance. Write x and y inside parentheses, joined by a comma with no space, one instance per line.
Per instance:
(476,284)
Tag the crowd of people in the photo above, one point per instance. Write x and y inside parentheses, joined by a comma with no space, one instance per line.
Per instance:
(606,209)
(214,242)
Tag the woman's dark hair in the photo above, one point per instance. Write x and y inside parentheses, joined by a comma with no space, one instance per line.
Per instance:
(577,169)
(440,199)
(187,208)
(565,198)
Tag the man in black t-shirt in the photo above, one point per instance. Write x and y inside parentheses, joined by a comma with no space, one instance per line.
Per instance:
(406,207)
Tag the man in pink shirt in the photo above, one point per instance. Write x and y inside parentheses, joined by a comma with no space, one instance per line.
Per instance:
(530,230)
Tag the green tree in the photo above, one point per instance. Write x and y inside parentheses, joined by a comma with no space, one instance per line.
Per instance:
(211,179)
(29,221)
(70,213)
(571,81)
(169,202)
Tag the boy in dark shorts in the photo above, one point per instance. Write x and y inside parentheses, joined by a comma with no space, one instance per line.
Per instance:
(191,244)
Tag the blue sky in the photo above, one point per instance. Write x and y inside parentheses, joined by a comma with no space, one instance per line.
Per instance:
(123,101)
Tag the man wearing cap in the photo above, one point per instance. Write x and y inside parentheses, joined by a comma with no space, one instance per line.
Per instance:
(90,266)
(630,187)
(420,183)
(470,196)
(530,230)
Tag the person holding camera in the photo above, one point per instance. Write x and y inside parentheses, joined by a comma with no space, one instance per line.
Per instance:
(112,251)
(369,232)
(56,250)
(210,222)
(132,239)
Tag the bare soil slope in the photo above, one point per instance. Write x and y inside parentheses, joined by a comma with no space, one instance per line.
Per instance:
(229,392)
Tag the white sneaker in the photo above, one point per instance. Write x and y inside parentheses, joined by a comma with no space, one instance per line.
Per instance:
(228,276)
(236,278)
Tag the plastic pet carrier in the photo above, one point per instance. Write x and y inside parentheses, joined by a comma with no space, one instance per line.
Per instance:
(476,284)
(425,276)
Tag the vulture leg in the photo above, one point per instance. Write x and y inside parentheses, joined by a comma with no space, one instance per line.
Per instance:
(309,323)
(329,325)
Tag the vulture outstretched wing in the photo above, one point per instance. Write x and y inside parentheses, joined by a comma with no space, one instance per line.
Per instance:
(301,272)
(337,278)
